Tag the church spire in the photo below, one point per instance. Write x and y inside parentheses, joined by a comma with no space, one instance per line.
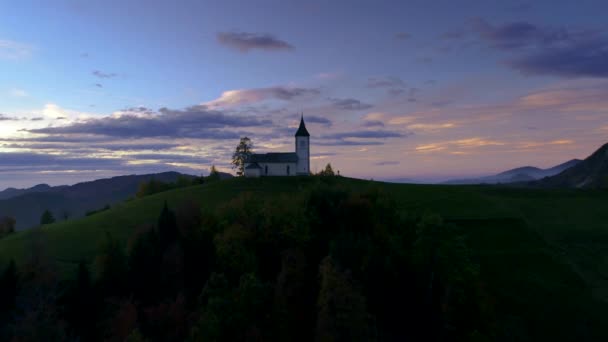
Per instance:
(302,132)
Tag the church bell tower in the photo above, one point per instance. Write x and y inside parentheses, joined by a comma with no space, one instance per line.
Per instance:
(303,149)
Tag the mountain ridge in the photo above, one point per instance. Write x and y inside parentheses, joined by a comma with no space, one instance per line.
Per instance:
(517,175)
(75,200)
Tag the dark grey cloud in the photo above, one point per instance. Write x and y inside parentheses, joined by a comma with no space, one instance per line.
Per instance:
(318,120)
(349,104)
(39,118)
(60,118)
(385,82)
(323,154)
(387,162)
(585,59)
(342,142)
(366,134)
(373,123)
(192,122)
(135,147)
(170,158)
(98,85)
(402,36)
(245,41)
(102,74)
(14,161)
(4,117)
(548,51)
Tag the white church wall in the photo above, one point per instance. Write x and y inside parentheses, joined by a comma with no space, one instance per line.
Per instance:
(278,169)
(252,172)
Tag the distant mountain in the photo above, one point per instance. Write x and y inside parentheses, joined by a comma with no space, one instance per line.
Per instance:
(591,173)
(27,205)
(12,192)
(520,174)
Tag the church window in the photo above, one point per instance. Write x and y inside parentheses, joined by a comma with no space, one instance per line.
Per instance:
(288,170)
(266,170)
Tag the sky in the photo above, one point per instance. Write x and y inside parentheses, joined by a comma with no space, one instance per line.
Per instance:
(419,90)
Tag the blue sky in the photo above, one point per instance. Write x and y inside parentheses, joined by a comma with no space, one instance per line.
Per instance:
(393,89)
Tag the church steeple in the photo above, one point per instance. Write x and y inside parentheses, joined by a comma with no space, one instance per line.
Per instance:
(302,132)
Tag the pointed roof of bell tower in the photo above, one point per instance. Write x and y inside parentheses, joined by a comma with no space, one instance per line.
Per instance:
(302,132)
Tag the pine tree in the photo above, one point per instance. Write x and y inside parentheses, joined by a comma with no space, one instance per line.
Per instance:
(167,227)
(47,217)
(241,154)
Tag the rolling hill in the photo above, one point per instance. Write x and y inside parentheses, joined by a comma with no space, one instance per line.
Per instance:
(543,253)
(591,173)
(520,174)
(27,205)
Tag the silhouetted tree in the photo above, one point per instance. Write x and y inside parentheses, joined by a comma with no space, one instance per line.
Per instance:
(167,227)
(47,217)
(342,310)
(328,171)
(81,307)
(8,288)
(112,266)
(214,174)
(243,150)
(7,226)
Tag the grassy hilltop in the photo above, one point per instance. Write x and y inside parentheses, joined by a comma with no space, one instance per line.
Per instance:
(542,254)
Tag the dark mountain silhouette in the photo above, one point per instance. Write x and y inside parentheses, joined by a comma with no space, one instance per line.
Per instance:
(520,174)
(74,201)
(12,192)
(591,173)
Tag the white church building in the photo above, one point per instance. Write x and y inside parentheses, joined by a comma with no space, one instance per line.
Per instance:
(285,163)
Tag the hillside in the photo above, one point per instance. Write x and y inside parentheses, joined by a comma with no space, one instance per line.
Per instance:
(542,253)
(520,174)
(27,205)
(591,173)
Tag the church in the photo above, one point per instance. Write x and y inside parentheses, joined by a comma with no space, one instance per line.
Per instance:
(283,164)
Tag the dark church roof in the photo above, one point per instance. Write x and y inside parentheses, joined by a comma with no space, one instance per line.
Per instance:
(253,166)
(302,132)
(289,157)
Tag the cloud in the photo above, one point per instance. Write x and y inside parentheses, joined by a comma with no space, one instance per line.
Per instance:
(15,161)
(467,143)
(318,120)
(98,85)
(4,117)
(385,82)
(387,162)
(192,122)
(373,123)
(349,104)
(342,142)
(38,118)
(13,50)
(135,147)
(244,41)
(402,36)
(101,74)
(379,134)
(249,96)
(548,51)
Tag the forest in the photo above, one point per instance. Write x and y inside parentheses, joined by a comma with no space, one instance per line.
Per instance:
(330,264)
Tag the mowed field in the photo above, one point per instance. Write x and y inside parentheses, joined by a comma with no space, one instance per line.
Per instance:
(543,253)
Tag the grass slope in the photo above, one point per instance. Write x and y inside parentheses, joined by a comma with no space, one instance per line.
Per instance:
(542,252)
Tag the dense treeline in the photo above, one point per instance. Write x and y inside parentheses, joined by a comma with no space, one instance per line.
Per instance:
(328,264)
